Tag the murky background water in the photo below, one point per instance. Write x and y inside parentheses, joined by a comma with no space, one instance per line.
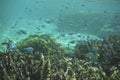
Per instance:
(82,16)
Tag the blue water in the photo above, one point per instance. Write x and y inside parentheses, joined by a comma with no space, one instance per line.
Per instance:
(52,8)
(20,18)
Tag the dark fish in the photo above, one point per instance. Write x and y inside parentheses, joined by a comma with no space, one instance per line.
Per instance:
(30,10)
(38,28)
(26,8)
(56,44)
(66,7)
(72,41)
(20,17)
(46,37)
(63,35)
(43,26)
(79,35)
(42,1)
(105,11)
(12,27)
(82,5)
(48,21)
(21,32)
(70,33)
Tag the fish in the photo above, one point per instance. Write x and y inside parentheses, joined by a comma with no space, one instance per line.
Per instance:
(90,54)
(46,37)
(105,46)
(38,28)
(118,26)
(94,49)
(56,44)
(70,33)
(80,41)
(43,26)
(12,47)
(29,48)
(60,19)
(73,41)
(62,34)
(48,21)
(21,32)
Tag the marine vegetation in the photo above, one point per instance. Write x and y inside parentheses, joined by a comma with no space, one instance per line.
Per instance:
(41,43)
(98,60)
(104,52)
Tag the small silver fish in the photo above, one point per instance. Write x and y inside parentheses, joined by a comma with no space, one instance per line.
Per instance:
(29,49)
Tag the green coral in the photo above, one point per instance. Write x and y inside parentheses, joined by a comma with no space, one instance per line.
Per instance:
(41,43)
(107,53)
(39,66)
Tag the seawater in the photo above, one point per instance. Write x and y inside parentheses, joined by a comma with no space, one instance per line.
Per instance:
(96,18)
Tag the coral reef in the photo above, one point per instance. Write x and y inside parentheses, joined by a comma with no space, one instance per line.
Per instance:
(105,52)
(91,60)
(36,66)
(42,43)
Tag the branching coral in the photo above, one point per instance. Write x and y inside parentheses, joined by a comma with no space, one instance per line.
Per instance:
(36,65)
(107,52)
